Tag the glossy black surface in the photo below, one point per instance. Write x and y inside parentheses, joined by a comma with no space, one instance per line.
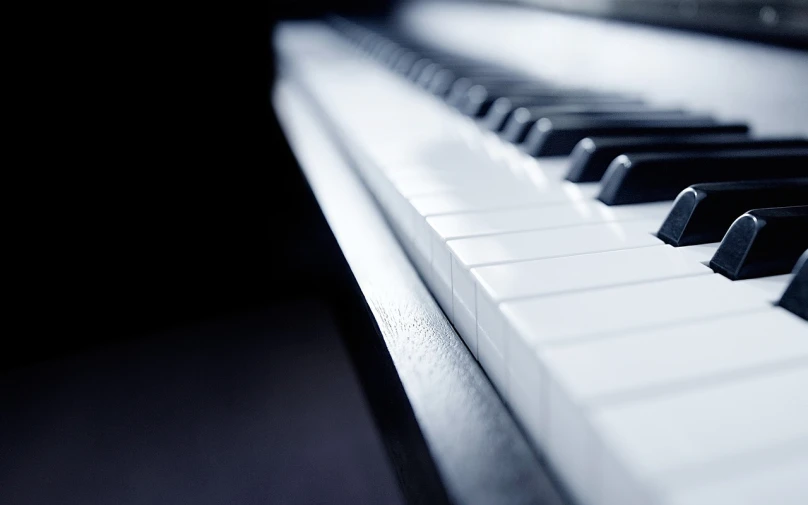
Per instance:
(639,178)
(457,94)
(795,297)
(559,138)
(500,115)
(445,75)
(503,109)
(763,242)
(704,212)
(404,63)
(414,71)
(478,101)
(520,122)
(591,157)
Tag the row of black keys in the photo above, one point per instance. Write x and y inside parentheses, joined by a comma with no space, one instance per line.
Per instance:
(548,120)
(649,155)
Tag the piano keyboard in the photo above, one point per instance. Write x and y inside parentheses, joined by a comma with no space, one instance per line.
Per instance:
(633,279)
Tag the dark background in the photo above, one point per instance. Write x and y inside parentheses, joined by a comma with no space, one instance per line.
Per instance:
(185,329)
(163,192)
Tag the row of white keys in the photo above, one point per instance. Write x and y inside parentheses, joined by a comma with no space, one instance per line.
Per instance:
(512,196)
(463,242)
(497,284)
(779,480)
(639,400)
(523,352)
(536,328)
(466,254)
(706,431)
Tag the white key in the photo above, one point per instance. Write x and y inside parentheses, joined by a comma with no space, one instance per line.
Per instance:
(479,199)
(451,268)
(531,325)
(623,308)
(465,254)
(443,152)
(584,271)
(499,283)
(421,180)
(414,187)
(782,482)
(702,253)
(578,377)
(771,287)
(480,184)
(449,227)
(653,444)
(553,167)
(472,224)
(630,362)
(459,202)
(478,251)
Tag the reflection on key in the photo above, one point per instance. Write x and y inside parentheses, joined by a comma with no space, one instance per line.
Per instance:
(619,309)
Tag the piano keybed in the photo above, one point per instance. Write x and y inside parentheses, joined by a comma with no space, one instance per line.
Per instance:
(631,278)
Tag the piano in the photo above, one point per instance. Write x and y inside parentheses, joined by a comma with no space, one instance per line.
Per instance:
(583,242)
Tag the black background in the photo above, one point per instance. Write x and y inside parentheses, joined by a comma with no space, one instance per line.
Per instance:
(163,192)
(184,328)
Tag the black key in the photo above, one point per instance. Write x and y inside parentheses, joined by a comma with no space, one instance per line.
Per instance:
(703,212)
(465,68)
(455,82)
(763,242)
(383,50)
(405,62)
(442,82)
(478,99)
(558,138)
(518,126)
(381,47)
(391,59)
(503,108)
(427,74)
(795,297)
(501,111)
(591,157)
(370,41)
(647,177)
(417,67)
(503,84)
